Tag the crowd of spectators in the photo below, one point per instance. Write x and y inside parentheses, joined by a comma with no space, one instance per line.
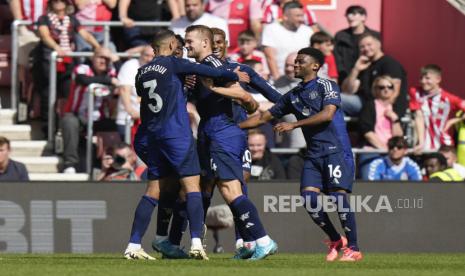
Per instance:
(264,34)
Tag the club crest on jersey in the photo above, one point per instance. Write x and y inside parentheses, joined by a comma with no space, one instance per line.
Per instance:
(313,95)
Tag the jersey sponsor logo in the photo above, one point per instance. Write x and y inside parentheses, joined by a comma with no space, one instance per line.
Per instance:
(331,95)
(244,216)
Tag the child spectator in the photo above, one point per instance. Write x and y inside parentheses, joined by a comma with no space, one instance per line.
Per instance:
(396,165)
(247,50)
(325,43)
(433,107)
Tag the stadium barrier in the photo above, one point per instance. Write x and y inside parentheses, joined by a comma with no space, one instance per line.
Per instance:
(96,217)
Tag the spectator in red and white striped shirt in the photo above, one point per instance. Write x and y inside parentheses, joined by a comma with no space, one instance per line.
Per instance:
(102,72)
(433,107)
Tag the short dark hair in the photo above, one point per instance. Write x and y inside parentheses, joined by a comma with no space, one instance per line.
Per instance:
(246,35)
(292,5)
(431,68)
(314,53)
(204,30)
(160,37)
(397,141)
(439,156)
(218,31)
(180,39)
(4,141)
(356,9)
(320,37)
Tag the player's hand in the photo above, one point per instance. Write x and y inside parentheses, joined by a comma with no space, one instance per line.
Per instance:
(283,127)
(207,82)
(362,63)
(190,80)
(243,76)
(127,22)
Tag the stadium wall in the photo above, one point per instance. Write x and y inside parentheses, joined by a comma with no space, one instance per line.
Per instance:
(96,217)
(420,32)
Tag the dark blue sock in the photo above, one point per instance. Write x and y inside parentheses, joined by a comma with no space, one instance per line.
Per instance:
(347,219)
(195,213)
(165,211)
(179,223)
(247,215)
(320,217)
(142,218)
(206,202)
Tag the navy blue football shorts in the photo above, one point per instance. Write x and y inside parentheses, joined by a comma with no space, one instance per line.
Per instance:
(331,172)
(222,158)
(172,157)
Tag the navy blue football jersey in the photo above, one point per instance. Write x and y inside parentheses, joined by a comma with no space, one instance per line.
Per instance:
(306,100)
(163,105)
(257,85)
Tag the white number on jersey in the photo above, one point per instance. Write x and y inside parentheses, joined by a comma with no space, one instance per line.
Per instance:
(336,172)
(247,157)
(152,84)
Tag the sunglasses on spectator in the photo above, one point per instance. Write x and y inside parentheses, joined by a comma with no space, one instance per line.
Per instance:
(399,147)
(382,87)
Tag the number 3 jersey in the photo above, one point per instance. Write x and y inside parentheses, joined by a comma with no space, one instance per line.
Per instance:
(306,100)
(163,105)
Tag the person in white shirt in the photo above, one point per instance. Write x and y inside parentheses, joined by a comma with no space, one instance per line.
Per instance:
(128,102)
(282,38)
(196,15)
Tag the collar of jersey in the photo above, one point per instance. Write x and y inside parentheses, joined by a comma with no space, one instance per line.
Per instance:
(308,84)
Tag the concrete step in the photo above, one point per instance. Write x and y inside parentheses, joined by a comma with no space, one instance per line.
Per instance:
(7,116)
(58,177)
(30,148)
(16,132)
(48,164)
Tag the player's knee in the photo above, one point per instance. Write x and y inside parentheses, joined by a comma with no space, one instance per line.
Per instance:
(310,197)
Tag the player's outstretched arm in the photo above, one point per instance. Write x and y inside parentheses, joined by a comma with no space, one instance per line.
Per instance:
(324,116)
(235,92)
(256,120)
(183,66)
(261,85)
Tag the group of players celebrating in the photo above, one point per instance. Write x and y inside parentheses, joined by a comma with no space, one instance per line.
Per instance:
(182,173)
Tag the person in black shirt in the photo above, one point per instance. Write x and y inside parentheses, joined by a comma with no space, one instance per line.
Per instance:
(10,170)
(346,49)
(371,64)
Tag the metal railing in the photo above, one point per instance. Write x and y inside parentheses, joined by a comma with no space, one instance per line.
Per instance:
(106,41)
(53,86)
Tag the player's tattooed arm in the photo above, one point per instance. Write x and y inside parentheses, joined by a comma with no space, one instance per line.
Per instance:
(256,120)
(324,116)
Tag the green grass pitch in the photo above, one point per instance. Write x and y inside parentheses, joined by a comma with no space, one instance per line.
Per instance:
(280,264)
